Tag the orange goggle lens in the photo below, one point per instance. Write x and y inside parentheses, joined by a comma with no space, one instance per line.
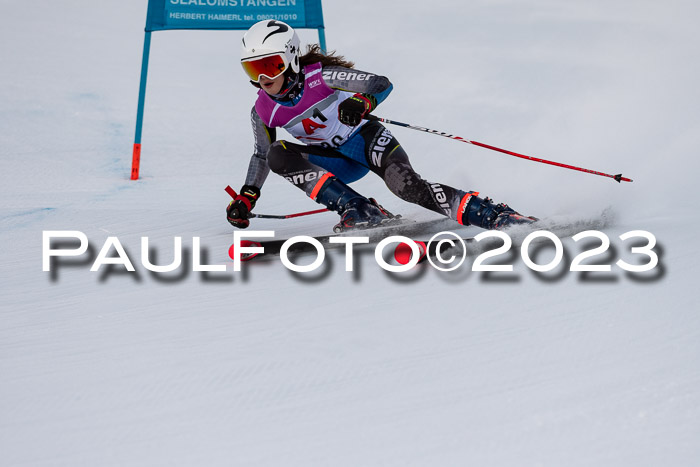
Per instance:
(271,67)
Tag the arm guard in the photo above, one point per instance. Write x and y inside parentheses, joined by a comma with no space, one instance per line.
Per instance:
(258,169)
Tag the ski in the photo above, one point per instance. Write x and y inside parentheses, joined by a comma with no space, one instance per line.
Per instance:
(421,232)
(404,227)
(562,226)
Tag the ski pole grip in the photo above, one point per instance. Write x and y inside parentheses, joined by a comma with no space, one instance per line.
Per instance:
(232,193)
(371,117)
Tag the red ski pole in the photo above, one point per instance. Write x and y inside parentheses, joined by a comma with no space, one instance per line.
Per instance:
(618,178)
(233,194)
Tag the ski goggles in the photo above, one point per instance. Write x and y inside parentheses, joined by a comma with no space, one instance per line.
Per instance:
(270,67)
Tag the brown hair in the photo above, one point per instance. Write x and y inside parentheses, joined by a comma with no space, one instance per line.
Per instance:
(314,55)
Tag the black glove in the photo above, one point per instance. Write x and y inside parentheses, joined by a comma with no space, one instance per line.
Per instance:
(238,210)
(353,109)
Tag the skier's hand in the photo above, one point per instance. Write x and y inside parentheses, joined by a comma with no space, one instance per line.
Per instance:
(353,109)
(238,210)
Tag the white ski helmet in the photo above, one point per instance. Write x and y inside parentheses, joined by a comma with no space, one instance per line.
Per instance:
(269,48)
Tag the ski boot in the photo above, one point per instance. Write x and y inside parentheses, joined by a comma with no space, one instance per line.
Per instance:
(356,211)
(486,214)
(362,213)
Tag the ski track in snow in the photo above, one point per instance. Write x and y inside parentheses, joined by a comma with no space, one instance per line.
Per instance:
(269,367)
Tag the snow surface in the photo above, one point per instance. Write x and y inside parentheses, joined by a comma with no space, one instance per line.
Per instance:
(268,367)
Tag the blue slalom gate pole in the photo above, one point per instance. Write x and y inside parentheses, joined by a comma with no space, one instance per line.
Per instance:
(136,158)
(322,39)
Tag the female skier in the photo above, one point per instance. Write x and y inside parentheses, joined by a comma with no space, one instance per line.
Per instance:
(323,102)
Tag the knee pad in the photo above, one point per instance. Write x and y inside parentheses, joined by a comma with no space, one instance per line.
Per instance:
(278,157)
